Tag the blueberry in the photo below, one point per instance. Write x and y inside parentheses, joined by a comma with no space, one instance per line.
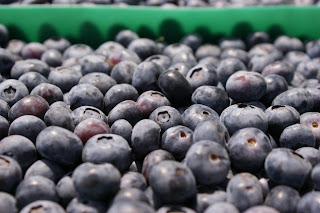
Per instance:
(133,180)
(283,194)
(143,47)
(85,112)
(12,91)
(90,127)
(130,206)
(281,68)
(176,49)
(228,43)
(92,180)
(244,191)
(86,205)
(312,120)
(123,72)
(276,84)
(204,200)
(294,170)
(266,49)
(108,48)
(210,60)
(58,43)
(59,116)
(123,55)
(287,44)
(119,93)
(15,46)
(10,175)
(8,204)
(296,57)
(227,67)
(206,50)
(257,38)
(221,207)
(52,57)
(235,53)
(4,34)
(181,67)
(185,57)
(35,188)
(166,117)
(258,62)
(4,127)
(123,128)
(246,86)
(202,75)
(131,194)
(262,209)
(64,77)
(7,61)
(309,69)
(4,108)
(175,208)
(48,91)
(313,49)
(77,51)
(240,116)
(309,153)
(44,206)
(32,79)
(128,110)
(125,37)
(94,63)
(46,169)
(162,60)
(309,203)
(108,148)
(59,145)
(299,98)
(297,136)
(192,40)
(33,50)
(65,190)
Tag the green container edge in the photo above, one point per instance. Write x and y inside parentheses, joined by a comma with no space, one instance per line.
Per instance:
(94,25)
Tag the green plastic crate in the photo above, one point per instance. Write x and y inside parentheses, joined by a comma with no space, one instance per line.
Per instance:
(96,24)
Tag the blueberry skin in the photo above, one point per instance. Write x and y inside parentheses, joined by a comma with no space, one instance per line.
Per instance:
(257,38)
(145,137)
(196,114)
(192,40)
(4,127)
(154,158)
(133,180)
(46,206)
(123,55)
(85,112)
(235,53)
(204,200)
(258,62)
(29,105)
(59,116)
(312,120)
(206,50)
(109,47)
(130,206)
(85,95)
(123,72)
(52,57)
(287,44)
(314,90)
(146,75)
(244,191)
(131,194)
(128,110)
(315,176)
(86,205)
(77,51)
(8,204)
(181,67)
(10,175)
(296,57)
(276,84)
(64,77)
(51,93)
(211,96)
(283,194)
(261,209)
(309,69)
(94,63)
(143,47)
(175,87)
(221,207)
(123,128)
(297,136)
(117,94)
(212,130)
(125,37)
(35,188)
(46,169)
(177,140)
(15,46)
(202,74)
(309,153)
(33,50)
(245,86)
(92,180)
(208,161)
(100,80)
(227,67)
(7,61)
(32,79)
(173,182)
(281,68)
(279,117)
(150,100)
(309,203)
(19,148)
(294,170)
(162,60)
(175,49)
(4,33)
(166,117)
(12,91)
(173,208)
(66,191)
(108,148)
(240,116)
(21,126)
(58,43)
(59,145)
(4,108)
(248,149)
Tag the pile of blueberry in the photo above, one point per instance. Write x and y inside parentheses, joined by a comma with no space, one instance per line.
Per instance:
(143,126)
(170,3)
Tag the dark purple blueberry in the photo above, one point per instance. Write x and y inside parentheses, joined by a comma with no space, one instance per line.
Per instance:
(276,84)
(128,110)
(59,145)
(312,120)
(32,79)
(46,169)
(258,62)
(202,75)
(257,38)
(29,65)
(227,67)
(235,53)
(309,153)
(294,170)
(46,206)
(279,117)
(248,149)
(299,98)
(94,63)
(29,105)
(309,203)
(162,60)
(287,44)
(150,100)
(80,204)
(244,191)
(118,93)
(92,180)
(130,206)
(8,204)
(175,87)
(212,130)
(15,46)
(89,128)
(58,43)
(7,61)
(238,116)
(66,191)
(192,40)
(125,37)
(143,47)
(35,188)
(123,72)
(85,112)
(206,50)
(33,50)
(77,51)
(59,116)
(108,148)
(123,55)
(246,86)
(123,128)
(52,57)
(12,91)
(154,158)
(64,77)
(222,207)
(51,93)
(296,57)
(133,180)
(181,67)
(281,68)
(297,136)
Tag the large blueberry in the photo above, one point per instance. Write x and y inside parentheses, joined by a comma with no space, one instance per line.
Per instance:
(89,128)
(100,80)
(222,207)
(65,77)
(133,180)
(128,110)
(166,117)
(204,200)
(227,67)
(77,51)
(276,84)
(46,206)
(312,120)
(10,174)
(143,47)
(202,74)
(86,205)
(123,128)
(85,112)
(309,203)
(130,206)
(94,63)
(281,68)
(66,191)
(58,43)
(12,91)
(50,92)
(59,116)
(123,72)
(8,203)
